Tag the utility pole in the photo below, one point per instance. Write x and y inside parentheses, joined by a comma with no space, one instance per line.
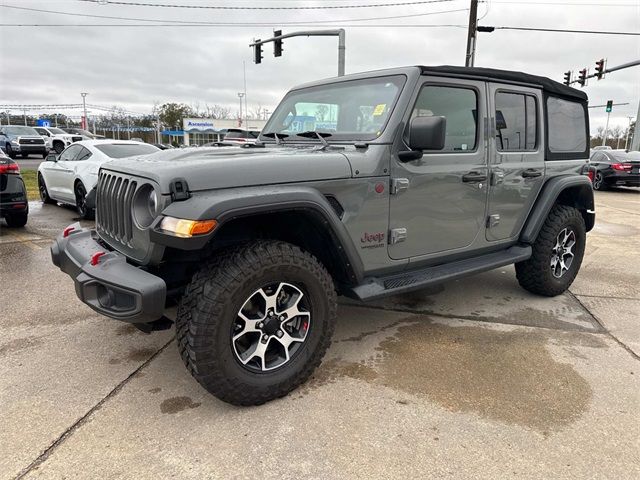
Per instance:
(626,141)
(472,34)
(240,95)
(84,108)
(128,128)
(24,111)
(606,128)
(246,108)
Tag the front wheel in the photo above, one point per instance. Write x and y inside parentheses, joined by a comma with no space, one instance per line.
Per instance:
(557,253)
(256,321)
(84,212)
(10,151)
(58,147)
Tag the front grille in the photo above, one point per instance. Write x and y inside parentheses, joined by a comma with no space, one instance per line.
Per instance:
(76,139)
(31,141)
(114,197)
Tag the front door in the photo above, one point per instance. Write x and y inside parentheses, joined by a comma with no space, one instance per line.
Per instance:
(517,158)
(59,174)
(438,202)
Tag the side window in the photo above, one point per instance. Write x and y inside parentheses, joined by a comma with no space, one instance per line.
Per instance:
(83,155)
(567,126)
(42,131)
(460,107)
(516,122)
(70,153)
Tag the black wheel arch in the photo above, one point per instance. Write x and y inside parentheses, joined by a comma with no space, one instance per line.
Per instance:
(571,190)
(301,216)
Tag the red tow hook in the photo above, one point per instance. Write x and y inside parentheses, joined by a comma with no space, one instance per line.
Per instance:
(67,231)
(95,258)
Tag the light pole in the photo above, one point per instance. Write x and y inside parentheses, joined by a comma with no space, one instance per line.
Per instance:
(626,141)
(84,108)
(240,95)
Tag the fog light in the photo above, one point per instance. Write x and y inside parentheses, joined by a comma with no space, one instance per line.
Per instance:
(187,228)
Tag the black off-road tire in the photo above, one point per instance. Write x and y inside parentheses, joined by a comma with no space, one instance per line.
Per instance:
(17,220)
(535,274)
(58,147)
(211,302)
(44,193)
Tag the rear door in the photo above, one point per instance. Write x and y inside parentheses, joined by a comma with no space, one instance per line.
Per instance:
(438,202)
(517,158)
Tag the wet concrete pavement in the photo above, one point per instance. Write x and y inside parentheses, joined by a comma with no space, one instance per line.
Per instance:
(474,379)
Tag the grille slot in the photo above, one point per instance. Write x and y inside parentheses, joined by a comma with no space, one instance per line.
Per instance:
(114,197)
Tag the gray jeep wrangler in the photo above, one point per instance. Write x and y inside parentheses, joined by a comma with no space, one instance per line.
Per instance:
(365,185)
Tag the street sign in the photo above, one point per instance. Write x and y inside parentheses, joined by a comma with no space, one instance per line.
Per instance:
(609,106)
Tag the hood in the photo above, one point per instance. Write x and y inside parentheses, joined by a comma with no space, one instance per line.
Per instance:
(228,167)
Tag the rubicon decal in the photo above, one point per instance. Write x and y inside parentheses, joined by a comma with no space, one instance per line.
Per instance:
(372,240)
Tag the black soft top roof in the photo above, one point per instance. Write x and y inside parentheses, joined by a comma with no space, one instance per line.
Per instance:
(550,86)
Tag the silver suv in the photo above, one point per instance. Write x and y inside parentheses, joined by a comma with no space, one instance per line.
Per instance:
(17,140)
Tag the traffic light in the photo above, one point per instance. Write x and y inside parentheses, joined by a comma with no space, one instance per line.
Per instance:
(257,51)
(277,44)
(600,68)
(582,78)
(609,106)
(567,78)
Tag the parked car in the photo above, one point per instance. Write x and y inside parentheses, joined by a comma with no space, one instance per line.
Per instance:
(14,207)
(18,140)
(56,138)
(255,243)
(85,133)
(162,146)
(613,168)
(67,177)
(238,136)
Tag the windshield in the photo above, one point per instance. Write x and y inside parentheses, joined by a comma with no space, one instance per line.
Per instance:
(352,110)
(625,156)
(122,150)
(21,131)
(57,131)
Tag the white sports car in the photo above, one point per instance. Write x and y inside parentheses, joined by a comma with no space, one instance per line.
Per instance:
(67,177)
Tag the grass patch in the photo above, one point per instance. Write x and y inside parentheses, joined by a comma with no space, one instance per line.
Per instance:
(30,178)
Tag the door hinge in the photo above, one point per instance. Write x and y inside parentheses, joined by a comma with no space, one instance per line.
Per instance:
(399,185)
(493,220)
(397,235)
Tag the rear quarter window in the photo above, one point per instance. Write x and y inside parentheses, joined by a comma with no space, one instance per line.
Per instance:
(567,128)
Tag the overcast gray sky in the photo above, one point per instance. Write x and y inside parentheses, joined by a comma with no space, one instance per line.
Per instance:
(133,67)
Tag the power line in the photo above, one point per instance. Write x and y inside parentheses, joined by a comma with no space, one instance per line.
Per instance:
(188,22)
(558,30)
(225,7)
(567,4)
(236,25)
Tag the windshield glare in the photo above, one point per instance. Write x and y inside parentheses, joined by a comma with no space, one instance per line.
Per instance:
(352,110)
(21,131)
(122,150)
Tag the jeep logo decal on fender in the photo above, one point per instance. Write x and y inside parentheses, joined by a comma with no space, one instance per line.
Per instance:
(372,240)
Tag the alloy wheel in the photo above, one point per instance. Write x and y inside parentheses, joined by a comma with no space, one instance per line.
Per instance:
(562,254)
(271,327)
(597,181)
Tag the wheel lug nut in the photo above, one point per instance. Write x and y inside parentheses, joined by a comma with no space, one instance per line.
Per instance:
(265,337)
(280,333)
(260,325)
(282,318)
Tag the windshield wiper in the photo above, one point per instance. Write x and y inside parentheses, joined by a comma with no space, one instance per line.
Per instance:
(278,137)
(315,134)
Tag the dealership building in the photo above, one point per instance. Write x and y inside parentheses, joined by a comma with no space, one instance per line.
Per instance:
(198,131)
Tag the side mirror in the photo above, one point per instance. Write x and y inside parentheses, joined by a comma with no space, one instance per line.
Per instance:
(52,157)
(427,133)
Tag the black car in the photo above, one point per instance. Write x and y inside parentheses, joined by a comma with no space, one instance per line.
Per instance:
(615,168)
(14,207)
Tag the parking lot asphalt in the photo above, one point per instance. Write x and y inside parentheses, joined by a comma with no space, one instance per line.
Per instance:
(475,379)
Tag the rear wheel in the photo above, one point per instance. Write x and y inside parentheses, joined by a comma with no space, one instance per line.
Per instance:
(557,253)
(10,151)
(81,202)
(58,147)
(598,182)
(16,220)
(44,193)
(256,321)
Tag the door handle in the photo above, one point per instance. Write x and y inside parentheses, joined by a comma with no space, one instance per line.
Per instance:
(531,173)
(474,177)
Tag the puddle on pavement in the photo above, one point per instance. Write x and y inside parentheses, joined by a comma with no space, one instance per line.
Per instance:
(506,376)
(134,355)
(177,404)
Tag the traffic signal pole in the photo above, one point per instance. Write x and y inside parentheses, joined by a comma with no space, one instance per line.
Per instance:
(340,33)
(606,130)
(472,34)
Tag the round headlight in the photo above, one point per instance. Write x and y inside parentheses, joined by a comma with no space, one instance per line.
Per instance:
(145,206)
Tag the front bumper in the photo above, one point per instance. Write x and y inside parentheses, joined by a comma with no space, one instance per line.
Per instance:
(26,148)
(112,287)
